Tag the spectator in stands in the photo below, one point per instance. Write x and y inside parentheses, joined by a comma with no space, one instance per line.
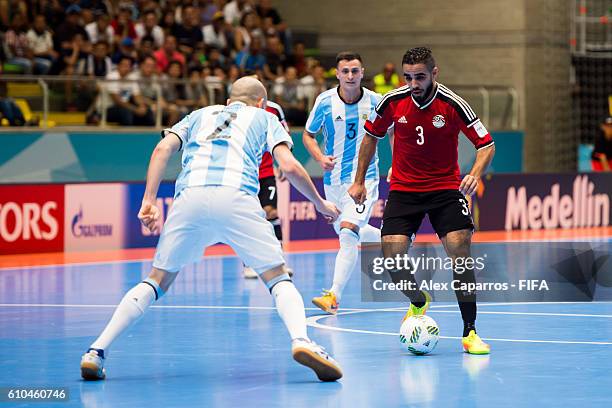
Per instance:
(168,23)
(73,56)
(168,53)
(196,89)
(40,43)
(149,27)
(87,17)
(246,31)
(272,20)
(98,63)
(289,94)
(146,47)
(275,58)
(235,9)
(126,48)
(100,30)
(123,26)
(298,59)
(16,46)
(601,159)
(313,84)
(175,92)
(387,80)
(216,59)
(128,107)
(97,6)
(148,81)
(189,33)
(52,10)
(252,58)
(208,9)
(64,37)
(215,33)
(10,114)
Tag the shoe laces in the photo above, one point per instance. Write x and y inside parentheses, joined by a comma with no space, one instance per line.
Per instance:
(327,292)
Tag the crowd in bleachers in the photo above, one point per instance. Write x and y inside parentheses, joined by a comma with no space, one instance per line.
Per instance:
(176,49)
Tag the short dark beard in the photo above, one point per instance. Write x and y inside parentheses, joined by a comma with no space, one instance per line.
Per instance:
(426,94)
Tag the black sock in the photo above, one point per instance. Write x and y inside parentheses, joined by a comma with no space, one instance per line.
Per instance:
(467,300)
(468,327)
(417,298)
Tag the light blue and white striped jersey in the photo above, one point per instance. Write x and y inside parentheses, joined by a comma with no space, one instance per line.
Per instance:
(223,145)
(342,126)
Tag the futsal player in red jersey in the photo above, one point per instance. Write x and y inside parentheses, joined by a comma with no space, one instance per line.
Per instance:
(425,179)
(267,188)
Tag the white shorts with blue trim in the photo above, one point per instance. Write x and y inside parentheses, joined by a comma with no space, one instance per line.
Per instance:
(351,212)
(204,216)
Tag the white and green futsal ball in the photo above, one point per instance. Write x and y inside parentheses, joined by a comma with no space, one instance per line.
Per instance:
(419,334)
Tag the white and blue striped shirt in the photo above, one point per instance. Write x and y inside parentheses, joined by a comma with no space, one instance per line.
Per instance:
(342,126)
(223,145)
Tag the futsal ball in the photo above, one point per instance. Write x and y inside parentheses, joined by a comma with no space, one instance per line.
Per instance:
(419,334)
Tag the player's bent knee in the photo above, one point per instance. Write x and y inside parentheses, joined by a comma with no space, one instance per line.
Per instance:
(350,226)
(271,212)
(458,240)
(162,278)
(275,275)
(348,238)
(393,245)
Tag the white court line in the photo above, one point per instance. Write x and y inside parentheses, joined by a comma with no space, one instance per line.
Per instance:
(528,313)
(313,321)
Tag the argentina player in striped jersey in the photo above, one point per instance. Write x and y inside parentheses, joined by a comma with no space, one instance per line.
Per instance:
(222,148)
(340,113)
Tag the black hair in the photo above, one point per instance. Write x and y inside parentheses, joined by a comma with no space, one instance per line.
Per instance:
(419,55)
(348,56)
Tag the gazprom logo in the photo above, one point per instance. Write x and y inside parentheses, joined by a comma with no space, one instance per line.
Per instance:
(81,230)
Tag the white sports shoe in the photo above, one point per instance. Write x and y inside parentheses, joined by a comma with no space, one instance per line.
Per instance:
(313,356)
(249,273)
(92,366)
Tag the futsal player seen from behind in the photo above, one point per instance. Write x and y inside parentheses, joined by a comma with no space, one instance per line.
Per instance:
(341,113)
(428,118)
(222,148)
(267,188)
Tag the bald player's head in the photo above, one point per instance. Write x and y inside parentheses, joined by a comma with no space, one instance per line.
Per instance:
(250,91)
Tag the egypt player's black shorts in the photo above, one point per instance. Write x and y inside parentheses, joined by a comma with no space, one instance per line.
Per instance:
(267,191)
(448,211)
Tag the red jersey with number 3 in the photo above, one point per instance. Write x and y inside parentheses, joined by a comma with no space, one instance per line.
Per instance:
(426,137)
(266,168)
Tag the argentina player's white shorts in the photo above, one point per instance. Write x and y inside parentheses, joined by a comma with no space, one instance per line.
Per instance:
(204,216)
(351,212)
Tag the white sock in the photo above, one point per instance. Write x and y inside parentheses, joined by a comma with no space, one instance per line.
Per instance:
(290,307)
(369,234)
(131,308)
(345,260)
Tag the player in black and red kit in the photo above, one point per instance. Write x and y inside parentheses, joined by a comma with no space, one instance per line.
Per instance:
(425,179)
(267,187)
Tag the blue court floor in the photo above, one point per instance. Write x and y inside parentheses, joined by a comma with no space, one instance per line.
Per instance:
(216,340)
